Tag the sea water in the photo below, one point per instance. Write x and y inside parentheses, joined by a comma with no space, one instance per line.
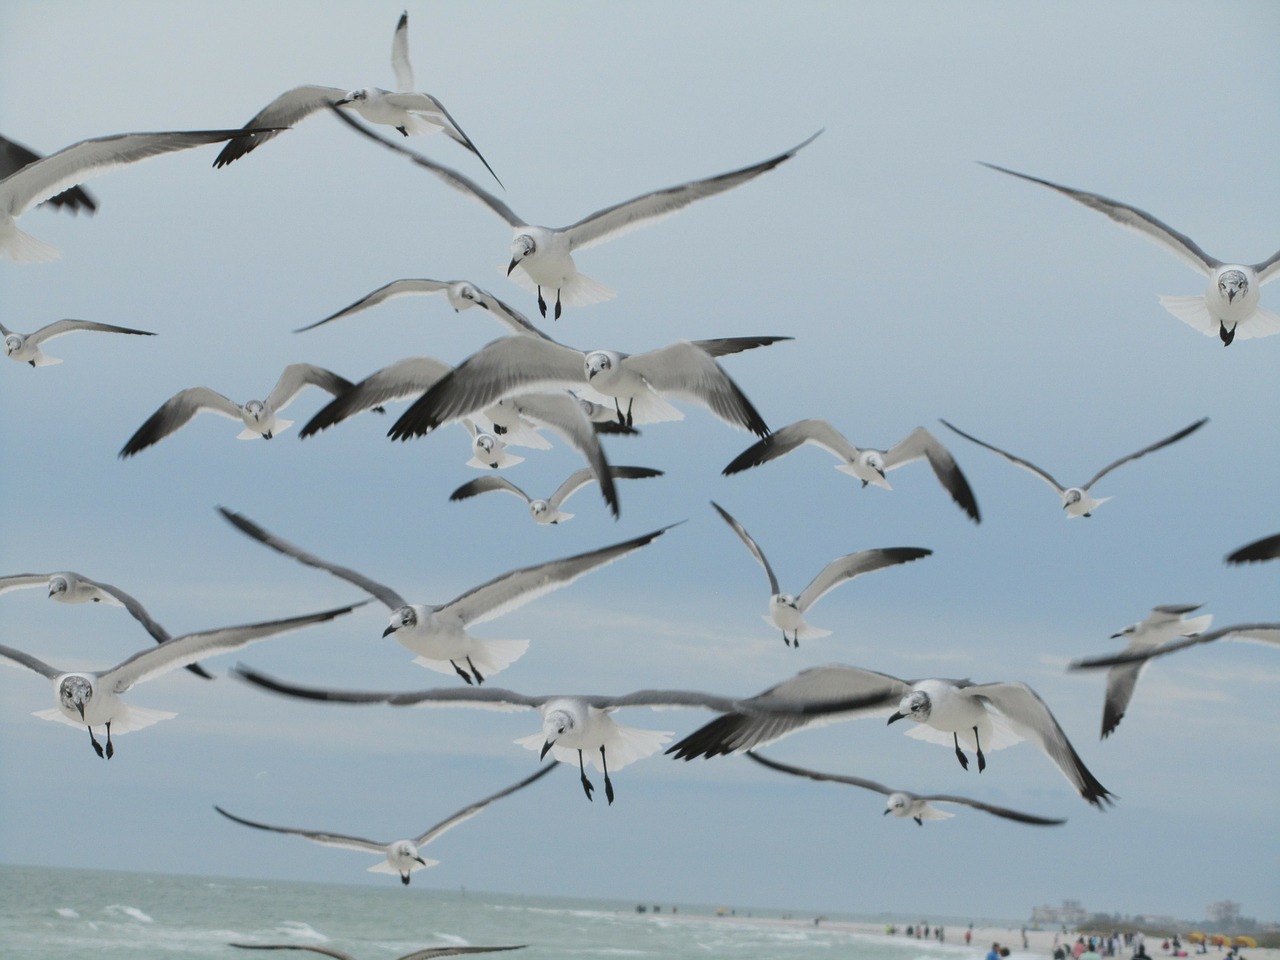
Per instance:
(47,914)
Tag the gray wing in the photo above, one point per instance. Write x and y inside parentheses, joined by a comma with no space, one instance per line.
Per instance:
(174,414)
(921,443)
(1258,632)
(781,442)
(14,156)
(297,377)
(754,547)
(580,478)
(815,775)
(61,327)
(30,662)
(507,366)
(622,217)
(411,377)
(1148,449)
(429,953)
(22,581)
(840,692)
(191,647)
(424,103)
(687,370)
(251,676)
(326,951)
(852,565)
(1179,244)
(315,836)
(382,592)
(1032,720)
(1006,812)
(400,64)
(504,313)
(81,161)
(1122,679)
(469,811)
(1268,548)
(492,482)
(396,288)
(281,113)
(1016,461)
(519,587)
(562,413)
(452,177)
(1268,268)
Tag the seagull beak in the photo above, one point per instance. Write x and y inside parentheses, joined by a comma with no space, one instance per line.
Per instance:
(80,707)
(343,102)
(390,630)
(887,811)
(1116,636)
(1231,295)
(545,747)
(512,266)
(421,861)
(897,716)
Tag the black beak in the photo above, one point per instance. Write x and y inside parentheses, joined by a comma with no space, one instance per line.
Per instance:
(1231,295)
(514,261)
(421,861)
(80,707)
(545,747)
(886,812)
(390,630)
(897,716)
(1116,636)
(343,102)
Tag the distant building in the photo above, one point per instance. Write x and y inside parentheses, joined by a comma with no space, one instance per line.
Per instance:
(1224,913)
(1071,913)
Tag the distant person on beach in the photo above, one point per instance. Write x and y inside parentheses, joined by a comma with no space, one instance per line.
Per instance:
(968,935)
(994,952)
(1025,945)
(1141,952)
(1059,952)
(1091,953)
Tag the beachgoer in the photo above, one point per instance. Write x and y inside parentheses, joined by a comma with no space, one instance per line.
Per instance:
(994,952)
(968,935)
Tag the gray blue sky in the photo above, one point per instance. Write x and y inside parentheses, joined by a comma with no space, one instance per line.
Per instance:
(916,284)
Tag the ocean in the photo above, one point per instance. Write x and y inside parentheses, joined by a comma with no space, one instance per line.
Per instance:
(48,913)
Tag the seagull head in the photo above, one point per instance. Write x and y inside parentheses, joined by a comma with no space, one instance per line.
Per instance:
(538,508)
(521,247)
(401,619)
(254,409)
(12,344)
(1232,284)
(1071,497)
(915,705)
(871,463)
(554,726)
(354,96)
(786,600)
(899,805)
(58,586)
(597,362)
(464,295)
(75,691)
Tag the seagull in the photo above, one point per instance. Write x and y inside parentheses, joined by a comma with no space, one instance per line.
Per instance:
(399,856)
(786,610)
(868,465)
(92,698)
(259,416)
(25,347)
(1161,625)
(1076,500)
(1268,548)
(986,716)
(426,953)
(903,803)
(487,450)
(14,156)
(437,633)
(636,382)
(1268,633)
(544,255)
(1230,302)
(66,586)
(45,178)
(548,510)
(461,294)
(410,112)
(575,728)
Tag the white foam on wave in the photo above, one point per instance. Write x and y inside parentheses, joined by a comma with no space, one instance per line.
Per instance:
(451,939)
(67,913)
(134,913)
(302,931)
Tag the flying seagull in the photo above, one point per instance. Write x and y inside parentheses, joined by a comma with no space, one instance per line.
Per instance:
(636,383)
(92,698)
(1268,548)
(1229,305)
(258,416)
(399,856)
(1268,633)
(867,464)
(903,803)
(437,633)
(25,347)
(66,586)
(461,294)
(47,177)
(548,510)
(786,610)
(14,156)
(985,716)
(410,112)
(1076,500)
(1161,625)
(426,953)
(575,728)
(544,255)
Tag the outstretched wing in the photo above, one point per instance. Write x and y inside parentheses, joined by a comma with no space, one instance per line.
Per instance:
(60,327)
(781,442)
(14,156)
(492,482)
(1148,449)
(852,565)
(31,663)
(1017,461)
(688,370)
(315,836)
(754,547)
(921,443)
(281,113)
(410,377)
(396,288)
(816,775)
(297,377)
(174,414)
(469,811)
(1268,548)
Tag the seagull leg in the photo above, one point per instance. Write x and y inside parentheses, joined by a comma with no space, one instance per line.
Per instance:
(405,133)
(785,638)
(111,750)
(586,784)
(462,673)
(608,784)
(1225,335)
(629,403)
(919,822)
(982,761)
(404,878)
(267,435)
(964,761)
(499,429)
(474,672)
(542,304)
(97,747)
(557,303)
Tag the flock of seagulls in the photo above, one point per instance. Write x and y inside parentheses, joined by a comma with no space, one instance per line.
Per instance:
(505,394)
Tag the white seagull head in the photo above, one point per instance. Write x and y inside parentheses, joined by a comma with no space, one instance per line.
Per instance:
(555,725)
(521,247)
(899,805)
(12,344)
(75,691)
(599,361)
(915,705)
(404,618)
(1232,284)
(58,585)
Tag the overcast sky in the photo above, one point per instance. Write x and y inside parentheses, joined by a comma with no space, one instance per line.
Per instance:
(917,285)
